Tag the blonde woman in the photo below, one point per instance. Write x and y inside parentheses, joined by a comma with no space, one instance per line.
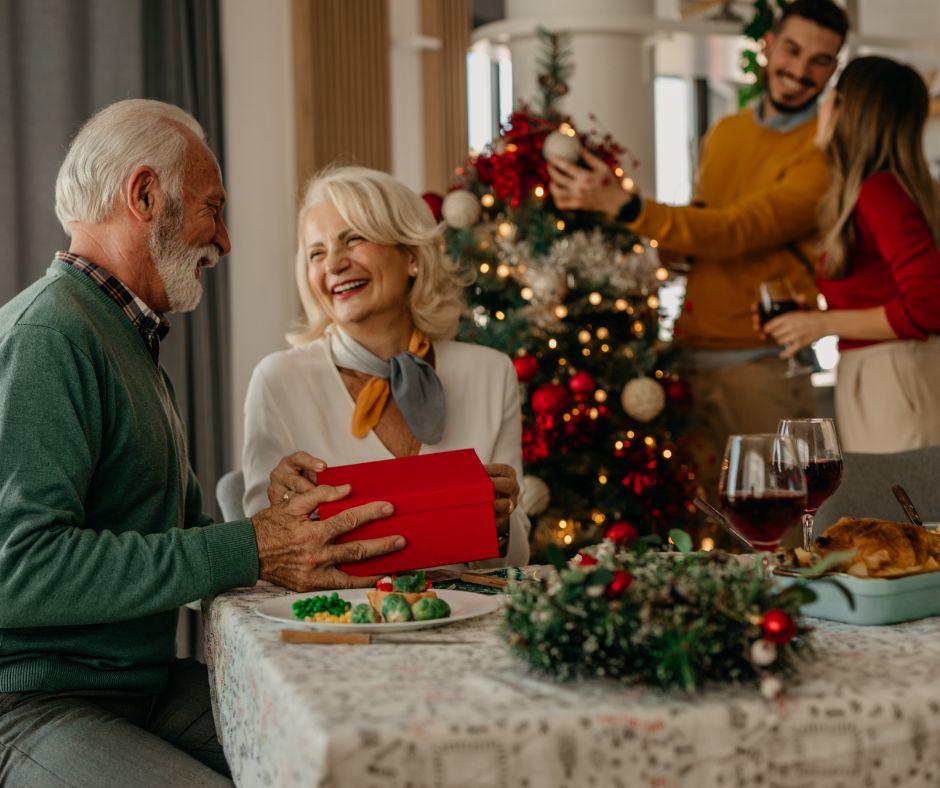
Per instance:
(374,372)
(880,267)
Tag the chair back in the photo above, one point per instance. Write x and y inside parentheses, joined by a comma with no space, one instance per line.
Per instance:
(229,492)
(866,487)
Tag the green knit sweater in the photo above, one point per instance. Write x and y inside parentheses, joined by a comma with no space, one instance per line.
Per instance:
(102,534)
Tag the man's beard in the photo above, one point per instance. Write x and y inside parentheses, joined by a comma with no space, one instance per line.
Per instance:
(787,109)
(790,109)
(177,263)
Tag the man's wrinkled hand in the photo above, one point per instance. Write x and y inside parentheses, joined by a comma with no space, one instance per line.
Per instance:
(301,554)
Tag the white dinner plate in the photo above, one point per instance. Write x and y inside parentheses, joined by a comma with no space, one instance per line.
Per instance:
(463,605)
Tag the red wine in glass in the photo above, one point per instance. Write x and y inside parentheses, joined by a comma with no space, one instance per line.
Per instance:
(762,490)
(763,520)
(823,478)
(821,457)
(770,308)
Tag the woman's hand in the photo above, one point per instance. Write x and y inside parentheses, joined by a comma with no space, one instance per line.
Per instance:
(507,498)
(797,330)
(595,189)
(294,474)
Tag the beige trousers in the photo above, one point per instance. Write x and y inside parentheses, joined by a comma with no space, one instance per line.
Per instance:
(743,398)
(888,396)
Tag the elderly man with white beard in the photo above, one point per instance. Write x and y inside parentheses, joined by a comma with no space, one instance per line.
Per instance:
(102,533)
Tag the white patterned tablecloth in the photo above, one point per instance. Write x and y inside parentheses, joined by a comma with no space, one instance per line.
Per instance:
(866,712)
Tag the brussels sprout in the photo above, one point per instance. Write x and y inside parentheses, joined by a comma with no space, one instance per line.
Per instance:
(410,584)
(364,614)
(395,609)
(429,607)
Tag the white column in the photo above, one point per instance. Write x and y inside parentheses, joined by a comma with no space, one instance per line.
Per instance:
(613,67)
(259,180)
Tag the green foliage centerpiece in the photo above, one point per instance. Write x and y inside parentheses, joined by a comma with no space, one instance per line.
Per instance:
(668,619)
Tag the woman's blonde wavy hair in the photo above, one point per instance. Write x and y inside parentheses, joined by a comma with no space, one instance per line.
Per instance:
(385,211)
(879,128)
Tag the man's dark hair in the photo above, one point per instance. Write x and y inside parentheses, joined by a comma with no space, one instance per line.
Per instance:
(824,13)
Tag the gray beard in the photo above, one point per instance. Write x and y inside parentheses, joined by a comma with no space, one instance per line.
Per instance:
(177,262)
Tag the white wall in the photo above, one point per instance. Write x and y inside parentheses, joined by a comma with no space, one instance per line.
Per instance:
(259,179)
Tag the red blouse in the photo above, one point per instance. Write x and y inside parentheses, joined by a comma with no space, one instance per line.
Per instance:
(896,263)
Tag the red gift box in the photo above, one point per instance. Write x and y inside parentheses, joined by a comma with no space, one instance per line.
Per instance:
(443,507)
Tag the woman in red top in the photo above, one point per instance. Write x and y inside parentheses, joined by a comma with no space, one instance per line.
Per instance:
(880,267)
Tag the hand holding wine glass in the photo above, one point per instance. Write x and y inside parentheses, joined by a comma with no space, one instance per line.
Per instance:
(817,445)
(777,297)
(762,489)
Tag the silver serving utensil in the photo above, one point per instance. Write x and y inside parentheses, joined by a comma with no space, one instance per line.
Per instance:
(904,499)
(717,517)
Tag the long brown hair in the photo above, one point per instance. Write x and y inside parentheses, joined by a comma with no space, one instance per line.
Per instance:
(879,128)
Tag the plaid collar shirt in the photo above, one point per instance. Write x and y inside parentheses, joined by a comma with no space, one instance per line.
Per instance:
(152,327)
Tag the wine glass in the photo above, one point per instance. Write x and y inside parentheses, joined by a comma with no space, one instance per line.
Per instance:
(762,489)
(777,297)
(817,446)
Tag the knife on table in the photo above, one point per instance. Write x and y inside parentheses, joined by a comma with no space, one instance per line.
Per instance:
(360,639)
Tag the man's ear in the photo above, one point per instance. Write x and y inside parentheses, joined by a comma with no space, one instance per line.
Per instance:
(143,188)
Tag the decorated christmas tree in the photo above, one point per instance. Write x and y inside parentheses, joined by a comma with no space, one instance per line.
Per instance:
(573,298)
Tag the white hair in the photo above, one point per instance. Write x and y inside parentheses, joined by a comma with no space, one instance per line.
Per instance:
(111,145)
(385,211)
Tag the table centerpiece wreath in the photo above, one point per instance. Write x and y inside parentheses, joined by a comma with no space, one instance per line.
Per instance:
(624,610)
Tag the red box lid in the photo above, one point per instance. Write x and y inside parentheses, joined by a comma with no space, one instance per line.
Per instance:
(454,483)
(411,484)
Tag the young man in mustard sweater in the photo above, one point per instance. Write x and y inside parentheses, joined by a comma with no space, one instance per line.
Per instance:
(753,219)
(102,532)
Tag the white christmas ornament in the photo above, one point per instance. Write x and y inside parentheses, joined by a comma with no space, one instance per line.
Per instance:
(763,653)
(643,399)
(535,495)
(561,146)
(771,687)
(461,209)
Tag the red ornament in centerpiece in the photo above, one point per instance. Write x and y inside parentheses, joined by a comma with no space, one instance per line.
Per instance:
(586,559)
(582,385)
(622,533)
(550,399)
(778,627)
(620,583)
(527,367)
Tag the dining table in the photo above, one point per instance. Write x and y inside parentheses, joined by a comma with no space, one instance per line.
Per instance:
(454,707)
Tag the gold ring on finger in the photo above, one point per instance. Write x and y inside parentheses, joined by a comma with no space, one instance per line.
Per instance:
(286,496)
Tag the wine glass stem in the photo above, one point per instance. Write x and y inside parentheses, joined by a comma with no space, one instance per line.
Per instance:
(808,518)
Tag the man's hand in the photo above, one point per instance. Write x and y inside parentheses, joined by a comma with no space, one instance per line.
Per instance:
(595,189)
(299,553)
(296,473)
(506,488)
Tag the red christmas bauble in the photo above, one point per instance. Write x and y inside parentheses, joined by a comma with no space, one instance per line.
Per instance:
(620,583)
(587,559)
(778,627)
(678,392)
(622,533)
(527,367)
(550,399)
(582,385)
(434,201)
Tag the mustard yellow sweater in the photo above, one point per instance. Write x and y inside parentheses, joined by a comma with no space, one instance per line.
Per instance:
(758,190)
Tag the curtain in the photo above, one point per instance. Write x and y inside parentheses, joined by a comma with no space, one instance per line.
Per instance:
(60,61)
(182,64)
